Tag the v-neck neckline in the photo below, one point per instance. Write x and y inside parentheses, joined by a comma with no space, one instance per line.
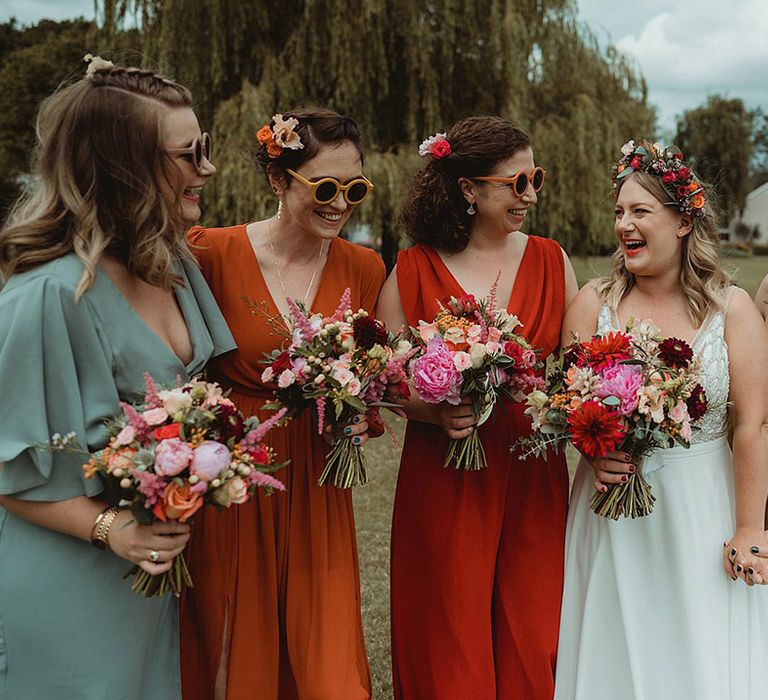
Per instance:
(310,305)
(514,284)
(180,300)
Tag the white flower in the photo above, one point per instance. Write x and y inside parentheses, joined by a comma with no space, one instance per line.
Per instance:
(286,378)
(267,374)
(174,400)
(284,133)
(425,149)
(507,322)
(477,354)
(628,147)
(354,386)
(342,375)
(234,491)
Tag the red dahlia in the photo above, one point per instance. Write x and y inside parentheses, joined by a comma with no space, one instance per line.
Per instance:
(604,351)
(697,403)
(368,331)
(675,353)
(595,429)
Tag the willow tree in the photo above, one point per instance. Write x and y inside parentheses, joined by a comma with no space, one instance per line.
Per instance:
(403,70)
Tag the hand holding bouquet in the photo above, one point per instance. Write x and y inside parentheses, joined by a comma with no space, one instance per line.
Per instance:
(471,349)
(342,365)
(630,391)
(179,450)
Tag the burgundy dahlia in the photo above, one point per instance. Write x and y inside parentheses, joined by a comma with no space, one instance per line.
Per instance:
(232,423)
(368,331)
(675,353)
(697,403)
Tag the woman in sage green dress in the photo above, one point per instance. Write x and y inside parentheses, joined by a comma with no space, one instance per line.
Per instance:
(99,289)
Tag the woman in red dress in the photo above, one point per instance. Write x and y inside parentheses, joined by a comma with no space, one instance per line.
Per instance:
(275,611)
(477,557)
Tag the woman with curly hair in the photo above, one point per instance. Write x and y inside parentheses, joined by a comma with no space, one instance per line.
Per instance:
(476,555)
(100,288)
(275,612)
(652,607)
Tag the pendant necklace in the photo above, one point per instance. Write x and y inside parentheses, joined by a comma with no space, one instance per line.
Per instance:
(280,275)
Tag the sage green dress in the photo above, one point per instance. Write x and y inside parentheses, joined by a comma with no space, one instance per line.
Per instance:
(70,626)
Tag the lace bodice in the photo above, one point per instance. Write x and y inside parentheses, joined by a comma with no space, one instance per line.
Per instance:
(709,345)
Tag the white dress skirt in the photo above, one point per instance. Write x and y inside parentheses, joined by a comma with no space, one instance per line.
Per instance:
(648,612)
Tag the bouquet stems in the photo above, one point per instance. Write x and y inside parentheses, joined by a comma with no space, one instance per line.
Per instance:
(175,579)
(345,465)
(466,453)
(631,499)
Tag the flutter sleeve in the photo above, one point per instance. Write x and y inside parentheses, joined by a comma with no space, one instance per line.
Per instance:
(56,377)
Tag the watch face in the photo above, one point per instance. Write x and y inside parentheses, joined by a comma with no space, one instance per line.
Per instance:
(99,544)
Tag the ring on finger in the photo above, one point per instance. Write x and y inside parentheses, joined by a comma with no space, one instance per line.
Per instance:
(154,556)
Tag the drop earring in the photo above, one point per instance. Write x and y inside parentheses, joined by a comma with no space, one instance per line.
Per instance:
(280,210)
(471,209)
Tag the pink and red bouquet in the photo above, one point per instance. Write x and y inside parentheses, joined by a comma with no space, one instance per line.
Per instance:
(629,391)
(471,349)
(340,365)
(179,450)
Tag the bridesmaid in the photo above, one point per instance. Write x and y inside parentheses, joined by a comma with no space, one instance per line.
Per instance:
(100,288)
(276,603)
(476,556)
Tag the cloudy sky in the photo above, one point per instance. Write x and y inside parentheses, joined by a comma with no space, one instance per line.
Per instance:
(685,50)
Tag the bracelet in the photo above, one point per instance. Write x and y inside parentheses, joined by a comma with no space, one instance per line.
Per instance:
(101,527)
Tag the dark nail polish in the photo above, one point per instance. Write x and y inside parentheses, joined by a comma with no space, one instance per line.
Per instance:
(733,552)
(754,550)
(347,431)
(750,571)
(356,419)
(725,544)
(625,478)
(627,458)
(631,469)
(738,568)
(356,440)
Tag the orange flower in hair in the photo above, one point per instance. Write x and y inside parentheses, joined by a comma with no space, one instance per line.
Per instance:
(274,150)
(264,135)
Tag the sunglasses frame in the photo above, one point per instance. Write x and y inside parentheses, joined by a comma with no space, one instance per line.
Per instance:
(314,185)
(513,180)
(198,141)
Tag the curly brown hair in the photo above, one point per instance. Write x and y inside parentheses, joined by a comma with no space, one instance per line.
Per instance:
(435,211)
(317,127)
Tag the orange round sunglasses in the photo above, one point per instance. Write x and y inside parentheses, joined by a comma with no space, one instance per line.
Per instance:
(326,189)
(519,181)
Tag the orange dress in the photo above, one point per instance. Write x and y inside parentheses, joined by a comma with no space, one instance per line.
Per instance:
(477,557)
(276,578)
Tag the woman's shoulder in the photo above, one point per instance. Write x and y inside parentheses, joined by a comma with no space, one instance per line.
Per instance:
(64,272)
(203,238)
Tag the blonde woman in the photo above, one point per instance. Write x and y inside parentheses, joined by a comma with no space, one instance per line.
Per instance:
(653,607)
(99,289)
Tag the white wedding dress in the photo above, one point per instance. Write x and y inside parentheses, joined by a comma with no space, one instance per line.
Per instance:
(648,612)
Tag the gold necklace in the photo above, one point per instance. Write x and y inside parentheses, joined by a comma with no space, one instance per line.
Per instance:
(280,275)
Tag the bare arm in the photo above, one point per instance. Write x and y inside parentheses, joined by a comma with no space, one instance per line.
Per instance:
(761,298)
(571,285)
(128,539)
(747,339)
(457,421)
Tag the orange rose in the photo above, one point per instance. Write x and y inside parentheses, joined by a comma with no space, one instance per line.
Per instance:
(698,201)
(693,186)
(274,149)
(264,134)
(179,503)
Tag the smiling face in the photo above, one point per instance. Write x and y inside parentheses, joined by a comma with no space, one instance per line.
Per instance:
(649,233)
(178,129)
(498,206)
(325,221)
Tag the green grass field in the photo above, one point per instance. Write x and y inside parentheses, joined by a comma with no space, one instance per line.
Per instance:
(373,503)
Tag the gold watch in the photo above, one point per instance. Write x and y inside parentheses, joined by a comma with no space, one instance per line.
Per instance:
(101,527)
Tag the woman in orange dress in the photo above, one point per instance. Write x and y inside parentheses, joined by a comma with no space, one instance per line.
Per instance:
(477,556)
(275,612)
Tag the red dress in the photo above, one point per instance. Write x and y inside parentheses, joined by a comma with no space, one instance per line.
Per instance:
(477,557)
(276,579)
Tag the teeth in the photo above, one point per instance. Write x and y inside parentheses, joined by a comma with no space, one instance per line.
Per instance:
(329,217)
(519,212)
(633,245)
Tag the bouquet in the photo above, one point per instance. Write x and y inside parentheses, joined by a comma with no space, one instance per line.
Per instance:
(181,449)
(631,391)
(471,349)
(341,365)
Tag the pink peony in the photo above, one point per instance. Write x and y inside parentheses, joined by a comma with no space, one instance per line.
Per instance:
(623,382)
(172,457)
(435,377)
(209,459)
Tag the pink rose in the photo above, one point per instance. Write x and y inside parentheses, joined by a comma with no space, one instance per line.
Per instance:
(427,331)
(286,378)
(441,149)
(435,377)
(462,360)
(125,436)
(623,382)
(235,491)
(172,457)
(209,459)
(155,416)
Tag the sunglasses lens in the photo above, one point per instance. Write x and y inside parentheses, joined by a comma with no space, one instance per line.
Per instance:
(206,142)
(538,179)
(326,192)
(198,155)
(521,184)
(357,192)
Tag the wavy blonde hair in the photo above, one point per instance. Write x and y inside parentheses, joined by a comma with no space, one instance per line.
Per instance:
(701,277)
(98,179)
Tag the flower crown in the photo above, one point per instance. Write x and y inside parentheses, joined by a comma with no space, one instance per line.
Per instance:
(279,136)
(667,164)
(436,146)
(96,64)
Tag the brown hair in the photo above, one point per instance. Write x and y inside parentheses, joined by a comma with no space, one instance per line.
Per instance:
(98,177)
(435,211)
(317,127)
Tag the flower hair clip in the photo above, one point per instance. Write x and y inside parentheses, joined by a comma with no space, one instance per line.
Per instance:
(667,164)
(96,64)
(282,134)
(436,146)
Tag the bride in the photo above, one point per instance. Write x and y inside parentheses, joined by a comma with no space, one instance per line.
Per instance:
(653,608)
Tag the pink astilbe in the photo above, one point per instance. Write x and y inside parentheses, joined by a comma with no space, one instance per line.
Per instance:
(345,304)
(151,398)
(257,434)
(258,478)
(137,422)
(320,406)
(303,326)
(150,485)
(491,301)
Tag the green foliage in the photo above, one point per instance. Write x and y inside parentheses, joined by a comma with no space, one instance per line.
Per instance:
(718,138)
